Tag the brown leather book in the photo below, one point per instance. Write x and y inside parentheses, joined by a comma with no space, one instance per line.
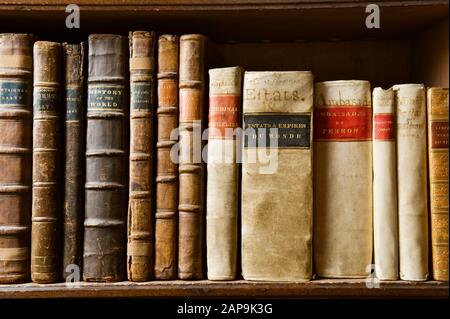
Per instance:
(73,55)
(140,206)
(191,199)
(46,213)
(167,170)
(438,175)
(16,70)
(105,201)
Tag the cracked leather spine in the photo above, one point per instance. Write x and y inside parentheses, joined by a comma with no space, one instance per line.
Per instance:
(16,70)
(73,57)
(140,248)
(105,190)
(166,169)
(46,210)
(190,204)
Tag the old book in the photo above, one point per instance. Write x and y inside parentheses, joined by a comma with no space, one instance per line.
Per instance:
(166,235)
(343,179)
(438,172)
(277,180)
(385,219)
(16,71)
(74,56)
(191,198)
(46,210)
(225,91)
(105,202)
(140,249)
(412,181)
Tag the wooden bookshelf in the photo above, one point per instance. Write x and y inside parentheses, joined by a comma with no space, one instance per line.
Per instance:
(325,288)
(328,37)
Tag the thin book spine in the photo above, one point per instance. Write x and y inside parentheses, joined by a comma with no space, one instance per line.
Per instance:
(46,210)
(140,249)
(166,234)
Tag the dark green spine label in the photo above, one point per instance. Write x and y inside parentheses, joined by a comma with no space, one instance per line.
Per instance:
(45,100)
(73,103)
(106,98)
(141,96)
(274,130)
(14,93)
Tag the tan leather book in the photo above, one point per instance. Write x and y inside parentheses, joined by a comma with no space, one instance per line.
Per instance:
(166,235)
(412,181)
(222,198)
(343,179)
(16,71)
(191,198)
(46,210)
(385,216)
(74,63)
(277,180)
(106,165)
(140,249)
(438,172)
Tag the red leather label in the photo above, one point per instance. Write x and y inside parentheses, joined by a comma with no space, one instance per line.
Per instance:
(223,115)
(384,129)
(341,124)
(439,134)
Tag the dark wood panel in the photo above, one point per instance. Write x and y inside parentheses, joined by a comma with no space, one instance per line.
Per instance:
(313,289)
(231,22)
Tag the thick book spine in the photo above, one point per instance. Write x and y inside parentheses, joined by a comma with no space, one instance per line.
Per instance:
(105,202)
(140,249)
(73,55)
(438,172)
(277,185)
(225,91)
(343,179)
(385,220)
(46,214)
(191,97)
(412,181)
(167,170)
(16,70)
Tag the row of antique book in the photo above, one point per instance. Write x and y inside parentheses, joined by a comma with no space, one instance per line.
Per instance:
(302,179)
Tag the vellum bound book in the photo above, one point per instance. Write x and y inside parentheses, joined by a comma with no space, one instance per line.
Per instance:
(438,170)
(412,181)
(277,188)
(225,91)
(343,179)
(385,220)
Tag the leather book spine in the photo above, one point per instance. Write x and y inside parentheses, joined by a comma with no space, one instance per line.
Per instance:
(105,188)
(412,180)
(140,248)
(191,198)
(166,234)
(385,219)
(277,176)
(438,178)
(16,71)
(46,210)
(73,58)
(343,179)
(225,109)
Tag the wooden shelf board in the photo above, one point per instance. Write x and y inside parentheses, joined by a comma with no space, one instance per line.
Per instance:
(323,288)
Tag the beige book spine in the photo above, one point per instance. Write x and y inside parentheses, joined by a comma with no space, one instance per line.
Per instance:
(277,199)
(343,179)
(225,90)
(438,172)
(412,181)
(385,223)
